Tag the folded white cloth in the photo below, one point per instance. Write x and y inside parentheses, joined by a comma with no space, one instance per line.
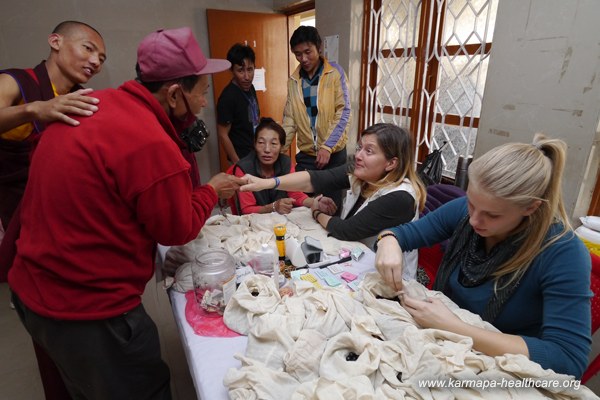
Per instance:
(326,344)
(255,380)
(269,340)
(357,388)
(349,356)
(322,314)
(184,277)
(256,296)
(243,235)
(303,359)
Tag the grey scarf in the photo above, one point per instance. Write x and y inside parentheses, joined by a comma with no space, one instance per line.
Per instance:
(466,250)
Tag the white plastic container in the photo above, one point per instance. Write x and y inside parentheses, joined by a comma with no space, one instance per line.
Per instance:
(265,263)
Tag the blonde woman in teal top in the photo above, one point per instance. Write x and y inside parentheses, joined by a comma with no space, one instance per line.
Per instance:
(512,258)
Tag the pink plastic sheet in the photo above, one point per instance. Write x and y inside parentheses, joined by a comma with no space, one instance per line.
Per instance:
(203,322)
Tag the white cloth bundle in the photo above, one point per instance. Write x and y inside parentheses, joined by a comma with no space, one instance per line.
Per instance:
(321,314)
(365,325)
(243,235)
(348,310)
(405,358)
(304,358)
(450,349)
(254,297)
(377,353)
(373,287)
(358,388)
(255,380)
(184,278)
(269,340)
(381,302)
(520,366)
(348,356)
(178,255)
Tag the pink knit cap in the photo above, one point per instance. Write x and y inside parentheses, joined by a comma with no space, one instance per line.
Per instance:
(174,53)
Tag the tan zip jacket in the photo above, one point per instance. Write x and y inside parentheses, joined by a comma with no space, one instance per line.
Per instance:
(333,119)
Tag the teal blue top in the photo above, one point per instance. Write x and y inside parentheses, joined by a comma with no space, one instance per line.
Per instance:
(550,309)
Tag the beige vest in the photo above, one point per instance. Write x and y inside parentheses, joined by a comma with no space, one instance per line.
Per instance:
(409,271)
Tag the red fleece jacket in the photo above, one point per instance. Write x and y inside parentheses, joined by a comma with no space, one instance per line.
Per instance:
(99,198)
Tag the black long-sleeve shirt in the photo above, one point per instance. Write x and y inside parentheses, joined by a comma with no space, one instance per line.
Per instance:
(389,210)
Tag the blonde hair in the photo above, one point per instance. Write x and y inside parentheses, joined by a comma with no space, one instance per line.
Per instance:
(395,142)
(523,173)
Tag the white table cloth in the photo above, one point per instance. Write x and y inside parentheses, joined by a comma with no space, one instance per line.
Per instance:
(209,358)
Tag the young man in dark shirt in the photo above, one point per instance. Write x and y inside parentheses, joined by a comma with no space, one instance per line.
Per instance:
(238,113)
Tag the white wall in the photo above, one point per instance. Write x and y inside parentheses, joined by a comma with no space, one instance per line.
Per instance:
(544,76)
(344,18)
(26,24)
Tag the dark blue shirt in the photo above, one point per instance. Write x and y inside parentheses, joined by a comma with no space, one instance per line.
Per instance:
(550,309)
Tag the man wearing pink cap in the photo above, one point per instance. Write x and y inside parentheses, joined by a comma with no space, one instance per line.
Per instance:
(99,198)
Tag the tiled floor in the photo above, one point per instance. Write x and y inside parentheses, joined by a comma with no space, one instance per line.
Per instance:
(19,377)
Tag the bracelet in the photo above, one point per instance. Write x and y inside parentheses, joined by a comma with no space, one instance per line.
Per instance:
(381,237)
(315,214)
(274,206)
(277,182)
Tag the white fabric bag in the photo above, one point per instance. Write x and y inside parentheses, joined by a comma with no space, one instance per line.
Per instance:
(269,340)
(302,361)
(255,380)
(347,356)
(256,296)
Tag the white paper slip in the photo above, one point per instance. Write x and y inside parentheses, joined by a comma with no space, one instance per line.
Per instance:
(335,268)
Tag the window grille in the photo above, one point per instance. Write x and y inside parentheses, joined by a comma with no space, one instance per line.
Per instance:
(424,68)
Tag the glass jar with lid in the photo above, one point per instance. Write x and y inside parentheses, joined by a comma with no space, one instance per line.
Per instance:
(214,279)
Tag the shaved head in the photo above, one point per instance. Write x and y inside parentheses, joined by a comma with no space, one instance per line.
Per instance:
(77,52)
(67,27)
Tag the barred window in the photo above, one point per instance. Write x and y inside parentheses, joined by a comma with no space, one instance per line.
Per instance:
(425,67)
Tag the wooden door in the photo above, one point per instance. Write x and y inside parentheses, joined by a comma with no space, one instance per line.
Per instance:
(267,35)
(595,203)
